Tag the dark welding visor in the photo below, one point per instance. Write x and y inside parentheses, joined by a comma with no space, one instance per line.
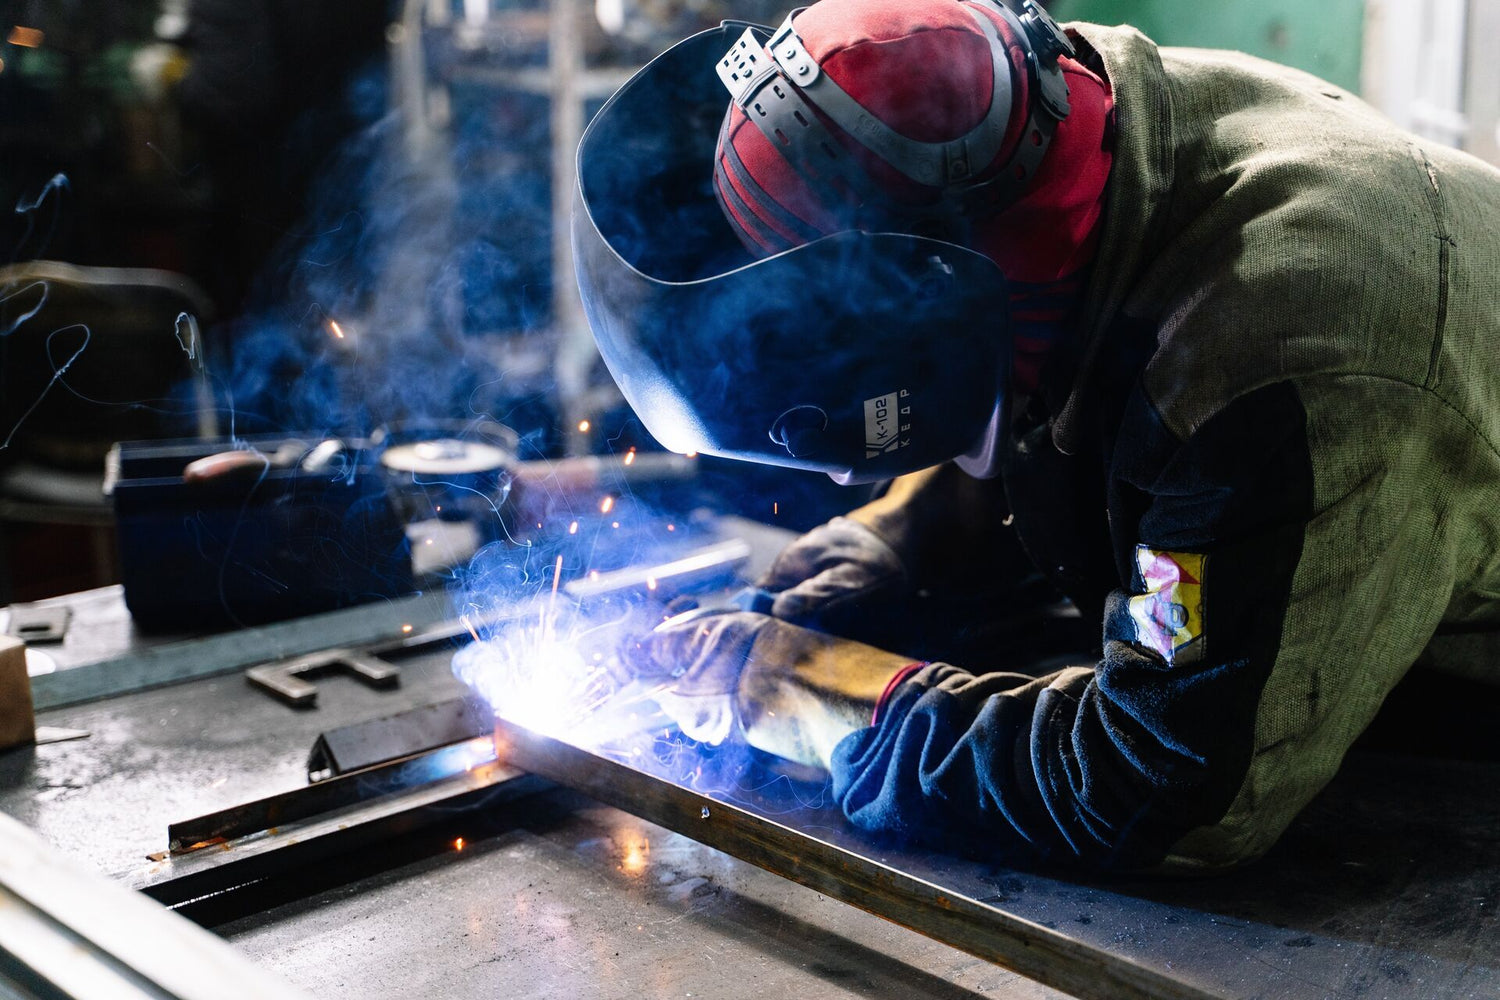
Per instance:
(862,355)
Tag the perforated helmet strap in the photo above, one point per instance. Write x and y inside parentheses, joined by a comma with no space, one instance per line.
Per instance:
(784,95)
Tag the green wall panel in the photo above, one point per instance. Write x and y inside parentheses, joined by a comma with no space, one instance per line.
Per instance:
(1322,38)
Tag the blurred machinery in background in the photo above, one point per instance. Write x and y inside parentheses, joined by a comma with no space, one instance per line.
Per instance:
(493,98)
(1426,64)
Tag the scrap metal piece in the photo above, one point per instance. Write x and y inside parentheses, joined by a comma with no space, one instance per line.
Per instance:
(35,623)
(286,680)
(376,741)
(1047,956)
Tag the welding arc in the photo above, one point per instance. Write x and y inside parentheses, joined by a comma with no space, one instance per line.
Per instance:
(1036,952)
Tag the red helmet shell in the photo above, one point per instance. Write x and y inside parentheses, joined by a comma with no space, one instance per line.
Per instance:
(923,67)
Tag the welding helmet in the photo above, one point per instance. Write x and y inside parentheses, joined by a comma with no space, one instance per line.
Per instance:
(875,351)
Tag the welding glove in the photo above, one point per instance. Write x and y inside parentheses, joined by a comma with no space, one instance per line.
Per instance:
(834,576)
(896,572)
(783,689)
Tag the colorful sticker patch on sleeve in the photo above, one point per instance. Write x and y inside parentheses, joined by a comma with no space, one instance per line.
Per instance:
(1169,615)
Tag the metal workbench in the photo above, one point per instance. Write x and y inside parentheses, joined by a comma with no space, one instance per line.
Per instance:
(1386,887)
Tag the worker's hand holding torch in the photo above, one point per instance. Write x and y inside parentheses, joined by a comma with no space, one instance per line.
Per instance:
(781,688)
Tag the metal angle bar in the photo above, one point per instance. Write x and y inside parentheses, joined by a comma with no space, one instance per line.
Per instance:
(178,880)
(376,742)
(1047,956)
(275,811)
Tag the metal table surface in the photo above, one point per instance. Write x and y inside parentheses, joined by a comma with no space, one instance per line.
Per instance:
(579,900)
(171,753)
(557,897)
(1386,887)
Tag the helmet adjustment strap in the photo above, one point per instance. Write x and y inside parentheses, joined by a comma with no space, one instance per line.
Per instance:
(784,94)
(763,91)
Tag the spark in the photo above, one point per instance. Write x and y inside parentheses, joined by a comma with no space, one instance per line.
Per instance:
(630,456)
(26,38)
(650,583)
(775,507)
(573,528)
(690,454)
(614,524)
(405,629)
(606,505)
(470,626)
(583,426)
(426,541)
(593,574)
(671,527)
(438,509)
(458,844)
(635,856)
(338,331)
(532,676)
(549,613)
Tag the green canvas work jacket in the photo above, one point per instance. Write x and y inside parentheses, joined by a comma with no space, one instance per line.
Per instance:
(1269,465)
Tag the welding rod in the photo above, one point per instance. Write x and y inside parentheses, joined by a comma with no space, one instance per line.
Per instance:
(698,567)
(1047,956)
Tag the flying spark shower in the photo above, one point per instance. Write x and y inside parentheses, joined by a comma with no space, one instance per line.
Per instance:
(556,673)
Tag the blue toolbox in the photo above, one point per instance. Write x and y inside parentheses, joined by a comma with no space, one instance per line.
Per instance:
(216,533)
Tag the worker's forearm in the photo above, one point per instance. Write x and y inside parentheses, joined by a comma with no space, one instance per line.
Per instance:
(800,702)
(800,725)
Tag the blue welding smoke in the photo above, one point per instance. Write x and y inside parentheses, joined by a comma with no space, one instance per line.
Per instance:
(39,229)
(393,299)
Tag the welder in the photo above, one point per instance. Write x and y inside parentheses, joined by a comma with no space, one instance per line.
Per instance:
(1203,343)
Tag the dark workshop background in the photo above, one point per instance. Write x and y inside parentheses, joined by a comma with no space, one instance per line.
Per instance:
(318,217)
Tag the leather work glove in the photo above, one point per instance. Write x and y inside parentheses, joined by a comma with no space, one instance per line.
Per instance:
(923,570)
(783,689)
(836,578)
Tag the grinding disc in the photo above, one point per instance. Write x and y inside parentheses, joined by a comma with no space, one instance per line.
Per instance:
(445,457)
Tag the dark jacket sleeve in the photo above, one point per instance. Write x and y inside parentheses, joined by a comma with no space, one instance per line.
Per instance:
(1264,529)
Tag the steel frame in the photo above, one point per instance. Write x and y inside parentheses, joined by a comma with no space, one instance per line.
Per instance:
(1034,951)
